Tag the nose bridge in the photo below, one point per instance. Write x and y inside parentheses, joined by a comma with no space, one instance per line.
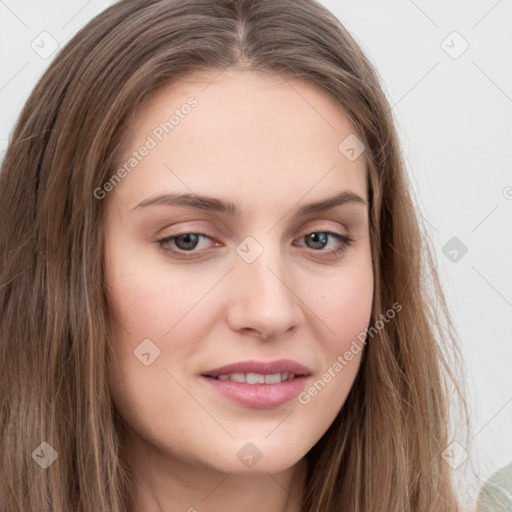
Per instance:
(264,297)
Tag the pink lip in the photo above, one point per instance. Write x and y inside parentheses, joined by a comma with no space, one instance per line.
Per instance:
(262,367)
(259,396)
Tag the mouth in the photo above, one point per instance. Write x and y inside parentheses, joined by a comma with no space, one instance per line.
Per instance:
(260,385)
(256,378)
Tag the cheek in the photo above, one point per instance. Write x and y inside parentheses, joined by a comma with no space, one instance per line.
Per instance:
(147,298)
(343,302)
(347,303)
(344,305)
(148,301)
(152,313)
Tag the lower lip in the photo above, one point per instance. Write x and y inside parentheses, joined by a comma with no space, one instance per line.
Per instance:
(259,396)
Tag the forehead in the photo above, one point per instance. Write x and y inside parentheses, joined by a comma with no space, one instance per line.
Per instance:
(248,134)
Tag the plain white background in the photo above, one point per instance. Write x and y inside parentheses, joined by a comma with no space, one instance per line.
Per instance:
(453,109)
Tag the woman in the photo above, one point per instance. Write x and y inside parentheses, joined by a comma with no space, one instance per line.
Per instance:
(214,286)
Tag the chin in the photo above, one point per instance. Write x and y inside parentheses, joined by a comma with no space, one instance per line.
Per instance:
(257,455)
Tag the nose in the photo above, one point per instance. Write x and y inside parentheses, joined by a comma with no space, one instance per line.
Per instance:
(264,299)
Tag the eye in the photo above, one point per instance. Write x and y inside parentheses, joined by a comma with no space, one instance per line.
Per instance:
(185,242)
(319,241)
(179,245)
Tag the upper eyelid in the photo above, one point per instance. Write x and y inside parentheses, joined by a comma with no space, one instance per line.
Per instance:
(305,231)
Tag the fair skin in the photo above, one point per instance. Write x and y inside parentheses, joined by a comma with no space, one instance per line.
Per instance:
(271,148)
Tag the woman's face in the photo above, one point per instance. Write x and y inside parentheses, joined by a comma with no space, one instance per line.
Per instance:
(234,177)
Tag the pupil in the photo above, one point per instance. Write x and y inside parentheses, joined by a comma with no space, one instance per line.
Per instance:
(317,238)
(190,241)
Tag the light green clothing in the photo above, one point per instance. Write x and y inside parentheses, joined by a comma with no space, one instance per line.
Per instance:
(496,494)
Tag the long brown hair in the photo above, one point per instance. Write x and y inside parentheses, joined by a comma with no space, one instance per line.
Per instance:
(383,451)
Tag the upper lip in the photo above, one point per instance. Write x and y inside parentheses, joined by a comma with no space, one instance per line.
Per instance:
(260,367)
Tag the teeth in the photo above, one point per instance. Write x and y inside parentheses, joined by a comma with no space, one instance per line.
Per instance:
(275,378)
(257,378)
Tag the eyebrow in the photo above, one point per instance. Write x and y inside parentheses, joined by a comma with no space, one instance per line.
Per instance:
(213,204)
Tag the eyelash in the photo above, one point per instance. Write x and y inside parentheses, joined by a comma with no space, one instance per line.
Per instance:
(344,241)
